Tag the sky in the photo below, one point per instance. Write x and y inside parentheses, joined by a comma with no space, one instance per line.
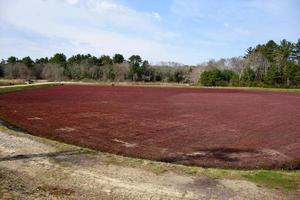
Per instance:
(184,31)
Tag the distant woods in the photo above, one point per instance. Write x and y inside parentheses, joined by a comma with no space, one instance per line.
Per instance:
(88,67)
(266,65)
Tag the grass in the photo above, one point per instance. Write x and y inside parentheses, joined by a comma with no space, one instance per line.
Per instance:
(19,85)
(179,85)
(275,179)
(266,89)
(288,180)
(7,82)
(16,88)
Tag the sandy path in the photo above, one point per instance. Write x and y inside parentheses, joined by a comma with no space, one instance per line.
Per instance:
(33,168)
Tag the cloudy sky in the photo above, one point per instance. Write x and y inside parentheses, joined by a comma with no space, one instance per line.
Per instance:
(186,31)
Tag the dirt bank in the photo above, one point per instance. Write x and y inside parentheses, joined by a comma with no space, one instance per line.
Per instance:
(35,168)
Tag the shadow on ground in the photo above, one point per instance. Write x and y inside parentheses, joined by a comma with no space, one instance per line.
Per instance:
(42,155)
(222,154)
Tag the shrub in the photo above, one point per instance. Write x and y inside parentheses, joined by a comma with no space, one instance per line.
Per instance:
(216,77)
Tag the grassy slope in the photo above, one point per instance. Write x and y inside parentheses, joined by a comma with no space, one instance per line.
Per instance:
(276,179)
(282,179)
(15,88)
(265,89)
(6,82)
(180,85)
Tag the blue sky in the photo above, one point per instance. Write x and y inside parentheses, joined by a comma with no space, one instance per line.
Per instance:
(185,31)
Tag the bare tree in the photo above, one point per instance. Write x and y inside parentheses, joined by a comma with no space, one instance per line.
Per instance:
(259,64)
(17,71)
(53,72)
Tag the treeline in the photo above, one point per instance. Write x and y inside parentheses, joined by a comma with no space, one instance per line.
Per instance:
(88,67)
(266,65)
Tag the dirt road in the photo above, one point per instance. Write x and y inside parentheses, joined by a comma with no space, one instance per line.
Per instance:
(35,168)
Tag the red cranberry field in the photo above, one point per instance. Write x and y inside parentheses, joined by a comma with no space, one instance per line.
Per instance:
(192,126)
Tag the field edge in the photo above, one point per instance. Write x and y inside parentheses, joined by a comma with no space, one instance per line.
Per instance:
(13,88)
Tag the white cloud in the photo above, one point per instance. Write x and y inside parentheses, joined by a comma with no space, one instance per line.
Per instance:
(275,7)
(192,30)
(72,2)
(96,24)
(122,16)
(156,15)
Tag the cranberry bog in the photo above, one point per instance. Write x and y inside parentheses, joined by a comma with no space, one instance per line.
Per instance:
(192,126)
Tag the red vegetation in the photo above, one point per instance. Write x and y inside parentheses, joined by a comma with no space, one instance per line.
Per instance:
(204,127)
